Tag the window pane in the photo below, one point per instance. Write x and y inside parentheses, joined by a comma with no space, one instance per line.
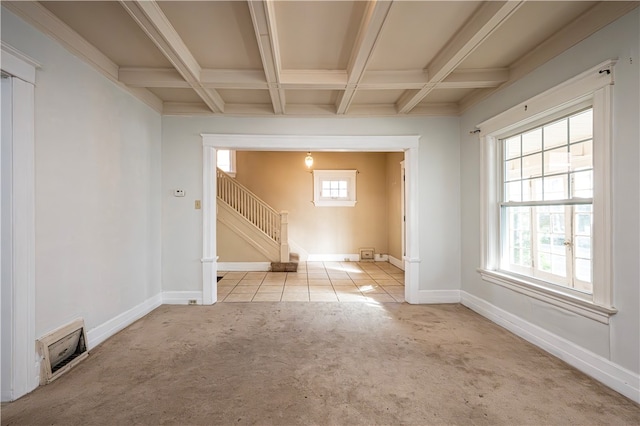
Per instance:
(559,265)
(513,170)
(582,155)
(582,247)
(532,141)
(556,161)
(556,188)
(583,271)
(532,190)
(513,191)
(532,166)
(581,126)
(512,147)
(582,184)
(519,231)
(223,160)
(555,134)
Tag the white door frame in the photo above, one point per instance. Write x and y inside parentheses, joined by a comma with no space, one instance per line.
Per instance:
(23,367)
(405,143)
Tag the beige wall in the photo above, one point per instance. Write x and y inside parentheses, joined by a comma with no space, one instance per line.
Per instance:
(394,204)
(283,181)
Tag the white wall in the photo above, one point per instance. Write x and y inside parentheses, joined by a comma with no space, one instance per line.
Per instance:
(439,187)
(97,188)
(619,341)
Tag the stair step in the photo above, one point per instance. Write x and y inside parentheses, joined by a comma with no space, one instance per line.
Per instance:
(284,266)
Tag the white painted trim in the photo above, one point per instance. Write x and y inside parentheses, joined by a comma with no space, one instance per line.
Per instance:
(181,297)
(25,369)
(407,143)
(18,64)
(396,262)
(99,334)
(381,257)
(573,304)
(559,97)
(607,372)
(318,143)
(431,297)
(209,226)
(244,266)
(335,257)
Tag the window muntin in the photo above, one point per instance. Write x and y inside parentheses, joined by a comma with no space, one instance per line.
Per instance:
(547,202)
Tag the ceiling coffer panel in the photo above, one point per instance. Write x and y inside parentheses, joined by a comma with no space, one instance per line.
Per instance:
(219,34)
(317,35)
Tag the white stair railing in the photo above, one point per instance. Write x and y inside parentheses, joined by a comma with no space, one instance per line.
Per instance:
(272,223)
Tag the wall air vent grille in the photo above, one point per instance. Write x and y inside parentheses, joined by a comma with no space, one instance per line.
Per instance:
(61,350)
(367,255)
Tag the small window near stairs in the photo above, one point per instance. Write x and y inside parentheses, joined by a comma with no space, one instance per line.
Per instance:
(334,188)
(226,161)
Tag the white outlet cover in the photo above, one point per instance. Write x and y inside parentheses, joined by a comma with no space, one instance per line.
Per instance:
(178,193)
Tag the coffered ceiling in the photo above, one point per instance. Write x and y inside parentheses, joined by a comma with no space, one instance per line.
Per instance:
(317,58)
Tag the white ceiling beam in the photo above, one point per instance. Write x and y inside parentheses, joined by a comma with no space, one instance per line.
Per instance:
(475,78)
(489,17)
(155,24)
(313,79)
(263,17)
(152,77)
(366,40)
(413,79)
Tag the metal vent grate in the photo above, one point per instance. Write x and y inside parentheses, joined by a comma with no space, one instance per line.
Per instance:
(367,254)
(61,350)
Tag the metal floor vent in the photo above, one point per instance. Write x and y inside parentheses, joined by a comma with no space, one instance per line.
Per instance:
(61,350)
(367,254)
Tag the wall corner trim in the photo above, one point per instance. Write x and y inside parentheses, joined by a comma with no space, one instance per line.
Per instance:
(99,334)
(605,371)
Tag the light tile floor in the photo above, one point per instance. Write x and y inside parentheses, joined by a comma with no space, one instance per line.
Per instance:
(378,282)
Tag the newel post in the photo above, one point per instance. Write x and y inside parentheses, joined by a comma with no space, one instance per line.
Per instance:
(284,236)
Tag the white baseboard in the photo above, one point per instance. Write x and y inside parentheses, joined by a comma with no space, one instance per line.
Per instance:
(99,334)
(181,297)
(381,257)
(438,296)
(244,266)
(396,262)
(613,375)
(353,257)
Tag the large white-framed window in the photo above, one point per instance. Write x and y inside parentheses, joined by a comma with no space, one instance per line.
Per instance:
(546,215)
(334,188)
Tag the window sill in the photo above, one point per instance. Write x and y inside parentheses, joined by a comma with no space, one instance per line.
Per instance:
(561,300)
(332,203)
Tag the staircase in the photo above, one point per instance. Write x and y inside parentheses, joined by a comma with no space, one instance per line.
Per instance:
(254,220)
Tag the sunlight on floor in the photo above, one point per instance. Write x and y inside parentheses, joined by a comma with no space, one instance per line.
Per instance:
(366,282)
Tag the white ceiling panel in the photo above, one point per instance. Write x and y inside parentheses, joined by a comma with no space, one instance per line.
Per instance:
(416,31)
(107,26)
(317,34)
(219,34)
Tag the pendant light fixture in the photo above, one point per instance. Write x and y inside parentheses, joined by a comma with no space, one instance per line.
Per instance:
(308,160)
